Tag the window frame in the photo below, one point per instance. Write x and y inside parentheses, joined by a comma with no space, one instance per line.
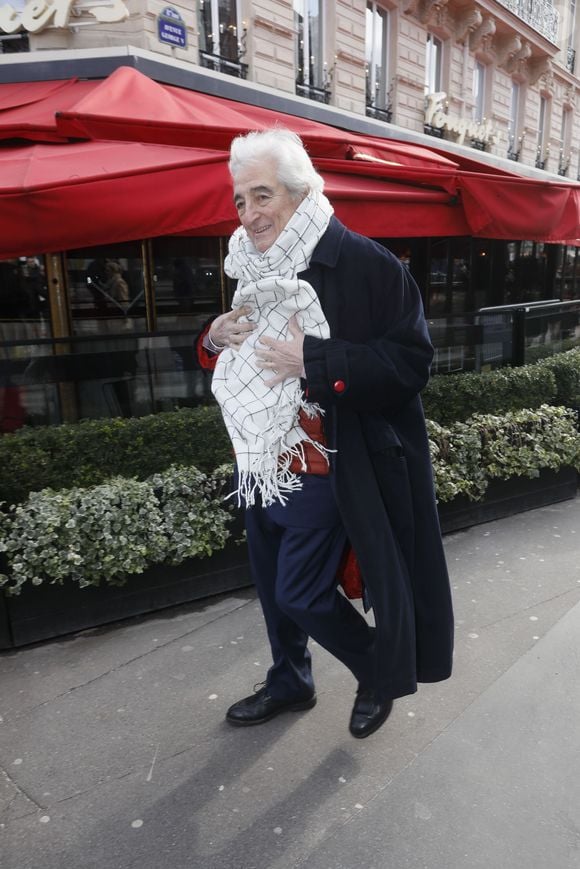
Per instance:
(377,91)
(434,47)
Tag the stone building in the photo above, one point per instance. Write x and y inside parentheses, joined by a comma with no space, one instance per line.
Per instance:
(499,77)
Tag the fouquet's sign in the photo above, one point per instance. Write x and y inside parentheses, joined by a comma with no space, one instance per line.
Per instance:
(438,118)
(36,15)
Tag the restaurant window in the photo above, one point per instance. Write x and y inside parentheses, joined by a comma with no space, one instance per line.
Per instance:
(24,305)
(311,70)
(478,92)
(106,289)
(222,37)
(186,276)
(377,66)
(24,319)
(439,302)
(570,275)
(434,51)
(526,272)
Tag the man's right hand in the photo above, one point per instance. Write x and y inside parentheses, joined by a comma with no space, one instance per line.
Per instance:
(227,331)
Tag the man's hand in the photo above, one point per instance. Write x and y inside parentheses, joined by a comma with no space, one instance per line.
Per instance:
(284,358)
(227,331)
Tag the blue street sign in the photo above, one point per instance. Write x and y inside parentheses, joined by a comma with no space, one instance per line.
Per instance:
(171,27)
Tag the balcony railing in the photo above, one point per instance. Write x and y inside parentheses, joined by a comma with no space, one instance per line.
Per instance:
(379,114)
(223,64)
(570,59)
(539,14)
(319,95)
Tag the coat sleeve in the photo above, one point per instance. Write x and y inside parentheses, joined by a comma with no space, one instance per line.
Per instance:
(391,365)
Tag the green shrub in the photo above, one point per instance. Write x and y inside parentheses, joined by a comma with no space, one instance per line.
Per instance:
(450,398)
(466,456)
(92,451)
(105,533)
(566,370)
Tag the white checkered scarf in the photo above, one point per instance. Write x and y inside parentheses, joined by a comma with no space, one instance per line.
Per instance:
(262,421)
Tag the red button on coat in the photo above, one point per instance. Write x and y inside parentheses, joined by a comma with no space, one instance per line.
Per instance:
(339,386)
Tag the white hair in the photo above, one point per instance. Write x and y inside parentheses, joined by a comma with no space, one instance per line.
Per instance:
(294,167)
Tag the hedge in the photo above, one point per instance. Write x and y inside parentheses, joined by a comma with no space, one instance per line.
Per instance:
(89,452)
(106,532)
(450,398)
(467,455)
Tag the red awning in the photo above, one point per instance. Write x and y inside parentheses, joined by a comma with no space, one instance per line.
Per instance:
(28,111)
(163,170)
(62,196)
(130,106)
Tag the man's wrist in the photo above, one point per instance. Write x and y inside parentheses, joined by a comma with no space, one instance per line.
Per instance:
(210,345)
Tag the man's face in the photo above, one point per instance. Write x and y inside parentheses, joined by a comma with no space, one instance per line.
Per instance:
(263,204)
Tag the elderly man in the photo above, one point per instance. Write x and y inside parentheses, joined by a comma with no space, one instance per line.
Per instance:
(318,373)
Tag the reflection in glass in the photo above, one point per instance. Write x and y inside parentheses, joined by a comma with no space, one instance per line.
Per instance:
(186,275)
(106,290)
(24,316)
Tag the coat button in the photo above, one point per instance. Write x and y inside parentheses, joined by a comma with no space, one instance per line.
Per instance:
(339,385)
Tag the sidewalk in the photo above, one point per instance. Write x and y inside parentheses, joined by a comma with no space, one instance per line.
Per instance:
(114,753)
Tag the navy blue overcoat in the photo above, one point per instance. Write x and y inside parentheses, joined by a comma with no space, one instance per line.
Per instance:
(367,377)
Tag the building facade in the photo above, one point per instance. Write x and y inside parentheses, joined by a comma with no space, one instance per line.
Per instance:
(107,330)
(499,77)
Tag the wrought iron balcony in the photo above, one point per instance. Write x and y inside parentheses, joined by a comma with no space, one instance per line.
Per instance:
(379,114)
(539,14)
(223,64)
(570,59)
(563,165)
(433,131)
(319,95)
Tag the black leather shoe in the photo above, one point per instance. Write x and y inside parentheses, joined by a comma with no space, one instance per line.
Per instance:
(260,707)
(368,713)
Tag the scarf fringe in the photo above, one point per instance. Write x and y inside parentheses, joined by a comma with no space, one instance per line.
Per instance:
(274,484)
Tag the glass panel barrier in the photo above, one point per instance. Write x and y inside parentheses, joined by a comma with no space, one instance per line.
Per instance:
(88,378)
(551,329)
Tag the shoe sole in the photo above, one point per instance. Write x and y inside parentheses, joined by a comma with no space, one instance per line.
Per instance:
(292,707)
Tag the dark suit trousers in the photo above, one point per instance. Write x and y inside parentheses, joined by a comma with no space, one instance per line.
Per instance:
(294,553)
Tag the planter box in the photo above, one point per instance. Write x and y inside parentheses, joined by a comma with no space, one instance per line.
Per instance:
(506,497)
(47,611)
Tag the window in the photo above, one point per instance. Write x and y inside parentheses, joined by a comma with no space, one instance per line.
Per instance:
(513,144)
(220,37)
(311,69)
(433,64)
(478,92)
(26,396)
(14,43)
(186,275)
(542,120)
(24,309)
(572,25)
(565,130)
(106,289)
(377,41)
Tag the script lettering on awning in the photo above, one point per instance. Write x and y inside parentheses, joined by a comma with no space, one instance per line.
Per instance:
(37,15)
(436,117)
